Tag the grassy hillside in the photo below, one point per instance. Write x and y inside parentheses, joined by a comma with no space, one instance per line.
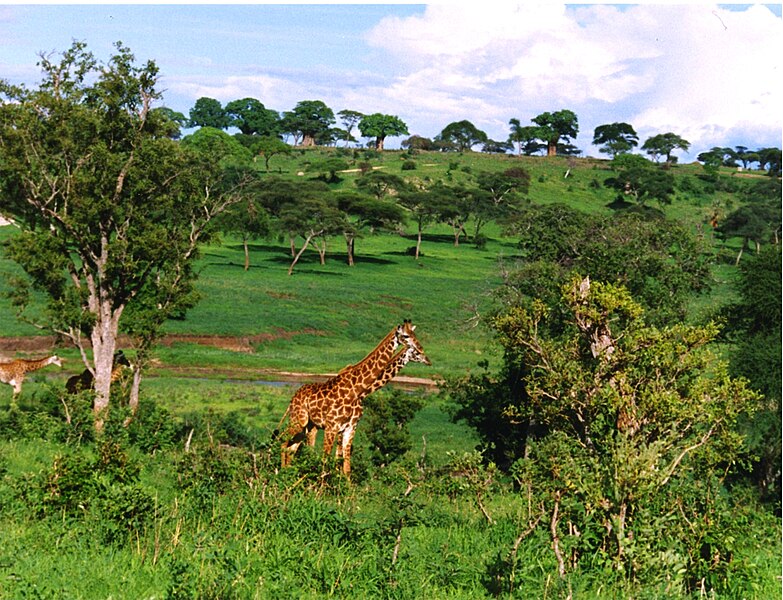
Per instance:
(323,317)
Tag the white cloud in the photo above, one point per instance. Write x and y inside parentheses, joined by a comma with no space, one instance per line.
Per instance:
(721,70)
(275,92)
(703,72)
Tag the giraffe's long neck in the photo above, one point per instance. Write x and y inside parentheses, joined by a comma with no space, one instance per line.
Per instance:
(34,365)
(366,371)
(391,370)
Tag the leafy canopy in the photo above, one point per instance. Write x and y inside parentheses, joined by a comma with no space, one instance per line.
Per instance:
(382,126)
(111,209)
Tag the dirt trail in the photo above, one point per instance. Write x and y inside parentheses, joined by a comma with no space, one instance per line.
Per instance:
(27,346)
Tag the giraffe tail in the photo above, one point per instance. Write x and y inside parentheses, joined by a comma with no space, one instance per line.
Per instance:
(276,430)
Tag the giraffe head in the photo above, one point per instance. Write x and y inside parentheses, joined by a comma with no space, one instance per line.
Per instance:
(55,360)
(414,350)
(415,354)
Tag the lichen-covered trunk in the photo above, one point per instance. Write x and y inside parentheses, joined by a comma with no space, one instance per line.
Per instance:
(102,305)
(133,397)
(349,244)
(247,252)
(104,343)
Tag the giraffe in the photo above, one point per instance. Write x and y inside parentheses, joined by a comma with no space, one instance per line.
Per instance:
(86,380)
(413,352)
(329,404)
(14,372)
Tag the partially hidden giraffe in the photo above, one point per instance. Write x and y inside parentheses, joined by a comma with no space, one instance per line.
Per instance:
(14,372)
(412,353)
(86,380)
(330,405)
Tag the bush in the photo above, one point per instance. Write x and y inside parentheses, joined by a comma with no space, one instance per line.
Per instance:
(153,428)
(386,417)
(409,165)
(77,480)
(639,427)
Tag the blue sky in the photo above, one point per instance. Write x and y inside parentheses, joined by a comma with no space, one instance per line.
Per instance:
(710,73)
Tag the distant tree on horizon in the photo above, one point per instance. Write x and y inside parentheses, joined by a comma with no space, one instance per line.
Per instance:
(350,119)
(208,112)
(555,127)
(664,144)
(382,126)
(615,138)
(526,138)
(462,134)
(307,122)
(251,117)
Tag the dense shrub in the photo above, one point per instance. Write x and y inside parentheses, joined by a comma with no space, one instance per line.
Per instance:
(385,419)
(639,428)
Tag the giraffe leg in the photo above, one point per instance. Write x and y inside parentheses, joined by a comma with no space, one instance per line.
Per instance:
(347,443)
(312,432)
(294,437)
(17,385)
(329,437)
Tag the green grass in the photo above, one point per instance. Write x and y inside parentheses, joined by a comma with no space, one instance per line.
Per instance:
(326,316)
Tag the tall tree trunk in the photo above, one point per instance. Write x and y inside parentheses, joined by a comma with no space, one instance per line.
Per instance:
(133,398)
(321,248)
(349,243)
(104,344)
(736,262)
(551,149)
(298,255)
(247,253)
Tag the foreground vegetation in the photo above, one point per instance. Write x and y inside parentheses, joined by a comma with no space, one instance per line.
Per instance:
(136,516)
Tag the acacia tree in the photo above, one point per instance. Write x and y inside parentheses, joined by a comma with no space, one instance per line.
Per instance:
(111,210)
(758,223)
(313,218)
(246,218)
(639,179)
(615,138)
(349,119)
(381,184)
(498,195)
(365,214)
(664,144)
(453,205)
(462,134)
(269,146)
(554,127)
(525,137)
(382,126)
(770,159)
(423,207)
